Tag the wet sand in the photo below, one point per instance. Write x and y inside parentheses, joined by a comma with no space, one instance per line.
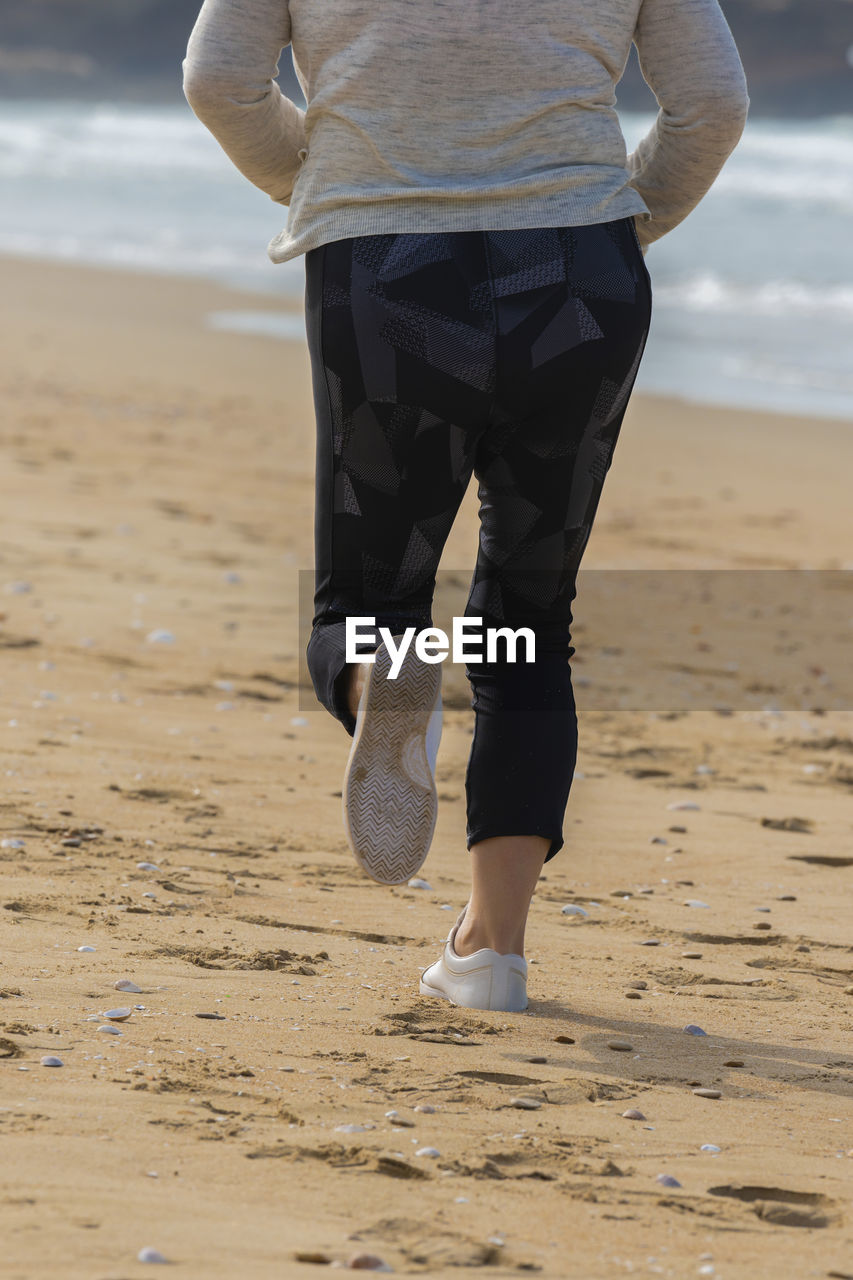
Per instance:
(158,478)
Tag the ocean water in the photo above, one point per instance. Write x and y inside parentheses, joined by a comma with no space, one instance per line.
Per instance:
(753,292)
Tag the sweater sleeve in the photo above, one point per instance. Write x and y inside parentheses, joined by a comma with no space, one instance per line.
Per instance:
(229,81)
(689,59)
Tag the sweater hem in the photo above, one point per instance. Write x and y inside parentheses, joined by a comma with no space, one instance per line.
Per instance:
(388,216)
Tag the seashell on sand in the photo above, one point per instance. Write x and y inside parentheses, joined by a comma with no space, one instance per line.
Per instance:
(150,1255)
(125,984)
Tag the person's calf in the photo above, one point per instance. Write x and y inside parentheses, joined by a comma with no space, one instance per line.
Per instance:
(504,872)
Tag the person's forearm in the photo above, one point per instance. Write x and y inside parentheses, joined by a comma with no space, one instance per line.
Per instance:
(232,59)
(689,58)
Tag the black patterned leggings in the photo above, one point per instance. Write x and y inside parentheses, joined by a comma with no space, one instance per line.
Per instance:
(509,354)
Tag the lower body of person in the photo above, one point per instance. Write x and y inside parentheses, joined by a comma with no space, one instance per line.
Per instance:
(510,355)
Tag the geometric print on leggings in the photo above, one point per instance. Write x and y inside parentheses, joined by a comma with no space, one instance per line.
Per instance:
(507,354)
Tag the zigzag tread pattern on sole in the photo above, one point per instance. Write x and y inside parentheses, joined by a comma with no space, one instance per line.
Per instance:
(389,798)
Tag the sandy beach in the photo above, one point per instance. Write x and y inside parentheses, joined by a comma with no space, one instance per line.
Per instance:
(170,815)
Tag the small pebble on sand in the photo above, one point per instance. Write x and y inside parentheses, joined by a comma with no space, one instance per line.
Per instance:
(85,948)
(764,909)
(525,1104)
(762,924)
(639,985)
(633,995)
(109,1030)
(683,804)
(150,1255)
(707,1093)
(51,1061)
(695,902)
(417,883)
(147,866)
(787,897)
(366,1262)
(620,1046)
(733,1062)
(563,1040)
(211,1017)
(12,844)
(160,636)
(572,910)
(125,984)
(118,1015)
(667,1180)
(425,1108)
(692,955)
(633,1114)
(649,942)
(693,1030)
(709,1146)
(431,1152)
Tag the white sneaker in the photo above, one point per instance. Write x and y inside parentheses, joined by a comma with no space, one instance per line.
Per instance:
(484,980)
(390,804)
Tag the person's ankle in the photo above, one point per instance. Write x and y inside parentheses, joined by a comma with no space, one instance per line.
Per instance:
(470,938)
(355,686)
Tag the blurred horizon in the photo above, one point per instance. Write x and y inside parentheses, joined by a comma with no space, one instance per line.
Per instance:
(798,54)
(753,292)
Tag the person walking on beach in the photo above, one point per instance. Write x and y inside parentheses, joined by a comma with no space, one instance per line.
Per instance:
(477,302)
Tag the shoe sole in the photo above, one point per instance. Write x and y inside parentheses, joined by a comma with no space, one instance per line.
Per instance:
(390,804)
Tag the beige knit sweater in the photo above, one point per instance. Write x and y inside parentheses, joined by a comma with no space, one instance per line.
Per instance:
(454,115)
